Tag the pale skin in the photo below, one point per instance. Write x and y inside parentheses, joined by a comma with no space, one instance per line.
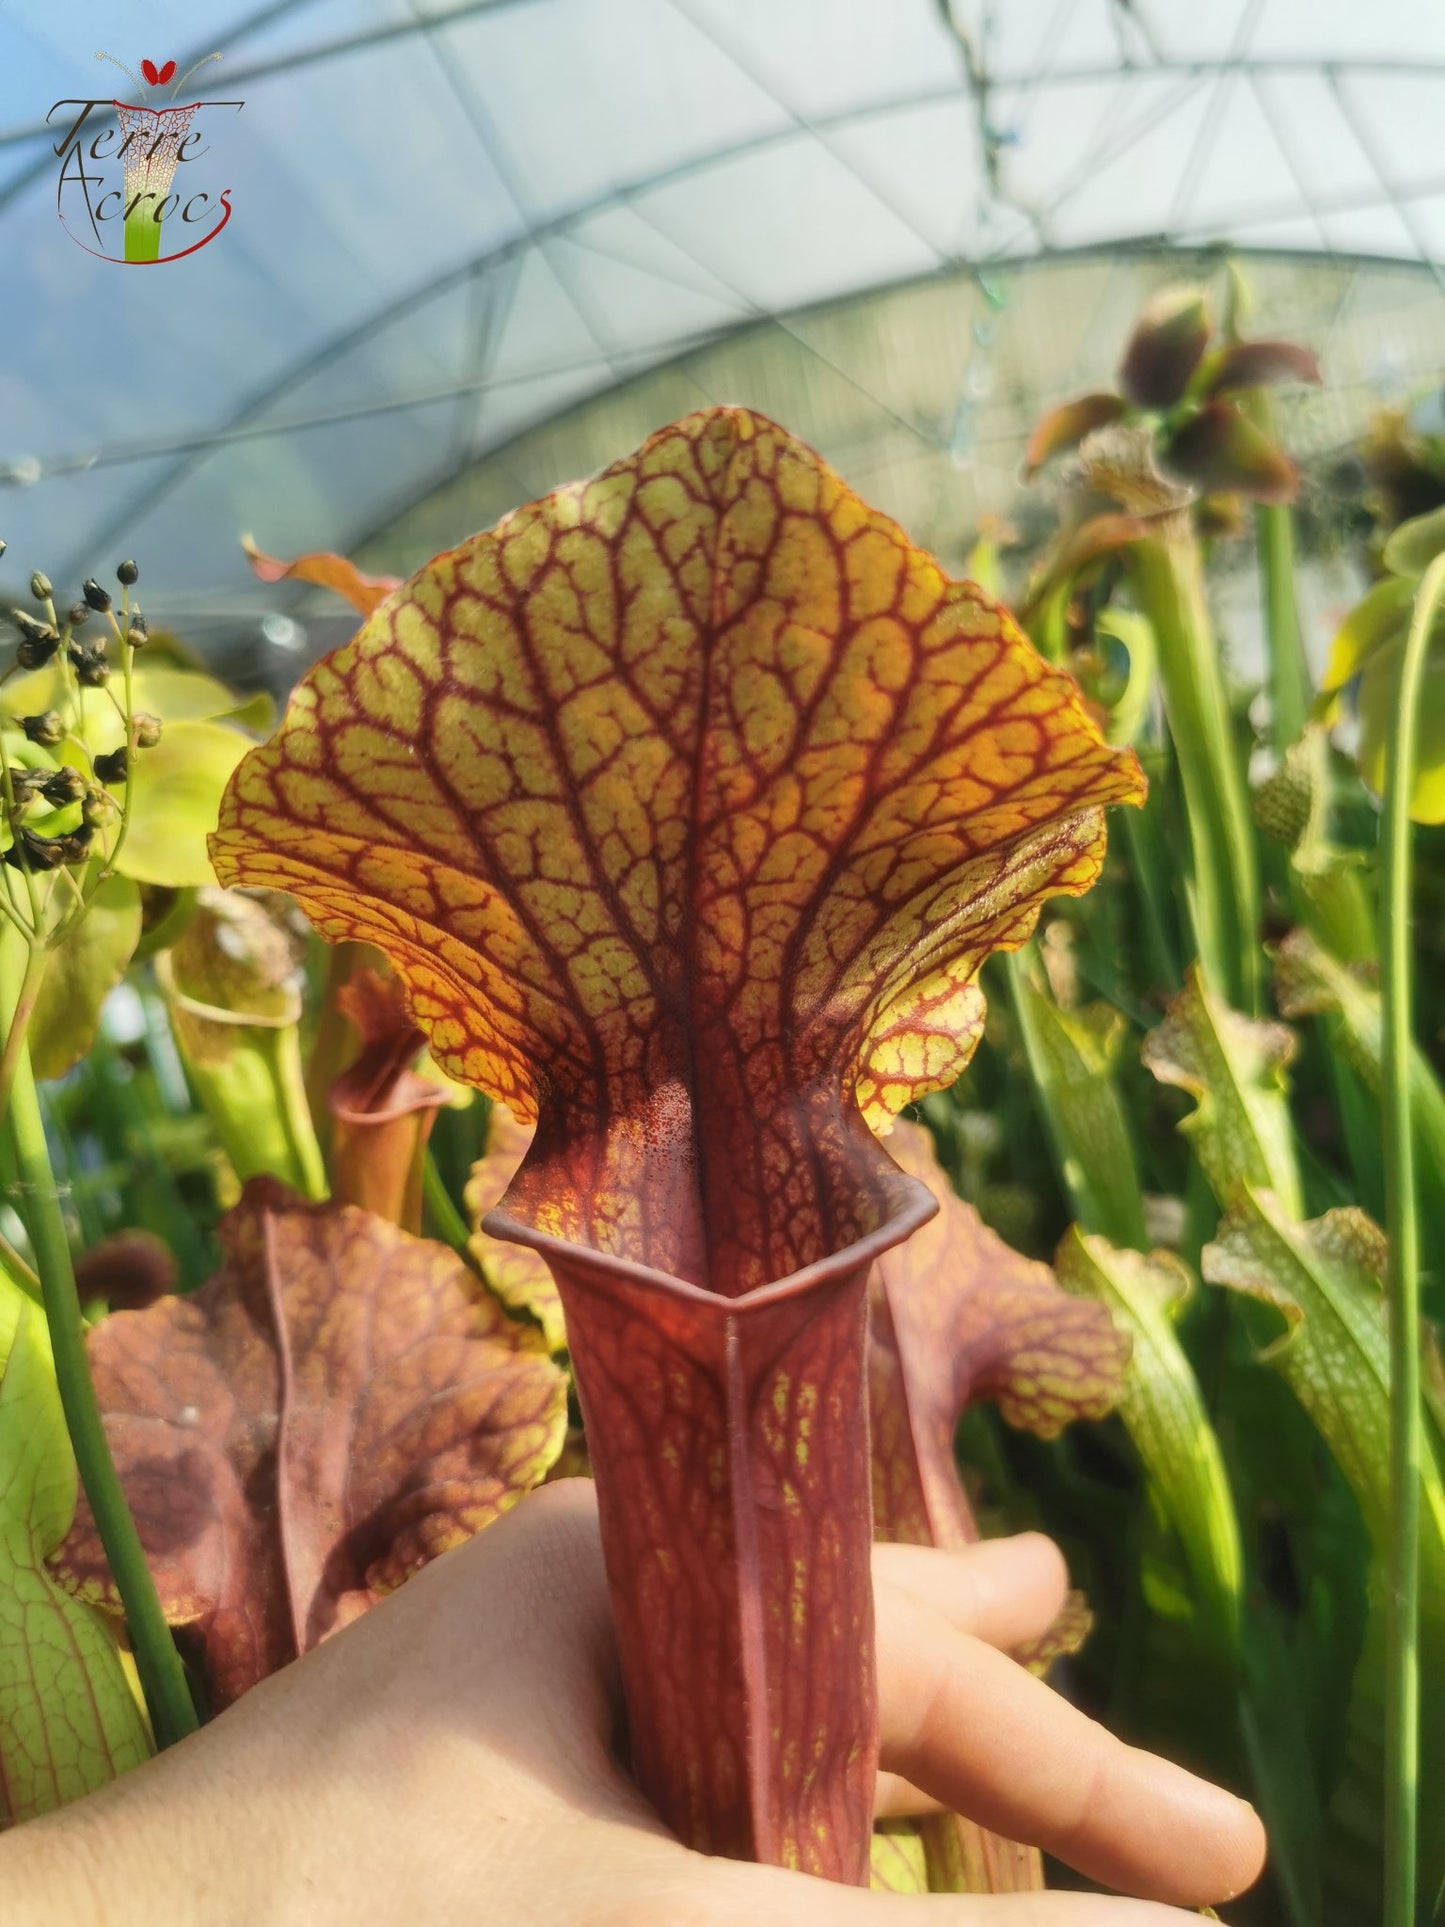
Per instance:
(449,1759)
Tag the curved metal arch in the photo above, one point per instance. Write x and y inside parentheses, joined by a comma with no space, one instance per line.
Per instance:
(283,63)
(559,225)
(1143,249)
(555,227)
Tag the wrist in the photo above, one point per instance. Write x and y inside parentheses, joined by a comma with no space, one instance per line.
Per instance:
(50,1870)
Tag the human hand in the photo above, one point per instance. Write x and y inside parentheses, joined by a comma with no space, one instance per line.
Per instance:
(449,1759)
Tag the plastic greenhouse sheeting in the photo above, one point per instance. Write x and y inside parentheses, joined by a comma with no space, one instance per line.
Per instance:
(449,223)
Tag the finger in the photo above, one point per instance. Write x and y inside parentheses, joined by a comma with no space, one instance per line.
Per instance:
(1007,1591)
(987,1739)
(770,1897)
(895,1798)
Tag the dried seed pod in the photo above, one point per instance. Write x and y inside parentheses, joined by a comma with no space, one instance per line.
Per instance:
(32,852)
(147,729)
(78,614)
(26,784)
(98,598)
(127,573)
(89,663)
(46,729)
(98,809)
(138,631)
(33,652)
(74,846)
(32,629)
(62,786)
(111,767)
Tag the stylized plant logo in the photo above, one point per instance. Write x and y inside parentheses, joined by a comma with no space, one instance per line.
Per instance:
(151,143)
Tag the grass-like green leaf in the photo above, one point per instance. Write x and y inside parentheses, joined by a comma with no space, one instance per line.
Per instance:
(1072,1055)
(1324,1279)
(1163,1408)
(1310,982)
(1233,1067)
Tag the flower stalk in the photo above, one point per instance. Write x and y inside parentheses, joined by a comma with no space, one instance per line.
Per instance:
(1167,574)
(1402,1681)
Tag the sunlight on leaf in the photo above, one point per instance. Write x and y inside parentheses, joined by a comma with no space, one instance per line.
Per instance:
(81,973)
(178,787)
(340,1404)
(1381,616)
(897,1863)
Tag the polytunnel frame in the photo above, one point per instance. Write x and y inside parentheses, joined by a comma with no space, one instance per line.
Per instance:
(968,83)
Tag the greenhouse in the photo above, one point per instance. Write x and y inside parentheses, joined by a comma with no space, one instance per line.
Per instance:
(722,981)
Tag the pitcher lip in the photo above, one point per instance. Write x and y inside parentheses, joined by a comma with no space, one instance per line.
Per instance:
(915,1205)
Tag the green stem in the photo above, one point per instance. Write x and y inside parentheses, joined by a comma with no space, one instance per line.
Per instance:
(1289,680)
(162,1676)
(1169,579)
(1288,677)
(448,1223)
(1402,1632)
(36,960)
(1140,832)
(295,1116)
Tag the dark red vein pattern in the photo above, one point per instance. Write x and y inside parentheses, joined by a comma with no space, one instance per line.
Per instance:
(687,803)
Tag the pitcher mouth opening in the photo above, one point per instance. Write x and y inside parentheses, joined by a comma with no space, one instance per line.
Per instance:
(913,1205)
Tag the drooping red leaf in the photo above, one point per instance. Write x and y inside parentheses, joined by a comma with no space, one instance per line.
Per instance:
(1067,425)
(687,804)
(382,1110)
(338,1405)
(328,571)
(1259,364)
(1165,348)
(1219,449)
(958,1318)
